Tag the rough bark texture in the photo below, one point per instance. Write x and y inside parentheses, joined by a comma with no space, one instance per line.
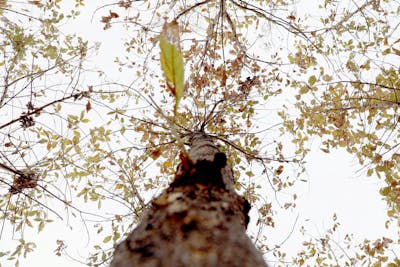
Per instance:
(199,221)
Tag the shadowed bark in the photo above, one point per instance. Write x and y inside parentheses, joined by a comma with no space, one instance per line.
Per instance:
(199,221)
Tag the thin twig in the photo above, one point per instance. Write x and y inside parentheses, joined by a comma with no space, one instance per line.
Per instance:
(190,8)
(34,200)
(20,13)
(173,129)
(39,109)
(250,155)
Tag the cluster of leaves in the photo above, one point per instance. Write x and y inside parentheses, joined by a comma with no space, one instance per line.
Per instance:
(324,250)
(33,50)
(229,65)
(352,100)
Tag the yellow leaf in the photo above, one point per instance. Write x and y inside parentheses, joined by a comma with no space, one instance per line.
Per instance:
(304,90)
(386,51)
(319,118)
(326,150)
(107,239)
(167,164)
(41,226)
(172,60)
(342,143)
(28,222)
(396,51)
(51,51)
(312,79)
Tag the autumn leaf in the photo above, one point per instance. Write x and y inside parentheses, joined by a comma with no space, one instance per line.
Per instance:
(88,106)
(107,239)
(156,153)
(279,170)
(172,60)
(41,226)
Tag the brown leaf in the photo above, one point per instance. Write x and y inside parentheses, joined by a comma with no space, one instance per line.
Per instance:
(88,106)
(223,79)
(279,170)
(156,153)
(113,15)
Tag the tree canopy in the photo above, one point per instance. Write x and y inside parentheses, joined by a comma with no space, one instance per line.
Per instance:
(263,78)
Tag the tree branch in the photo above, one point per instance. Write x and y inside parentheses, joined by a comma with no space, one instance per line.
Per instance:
(39,109)
(190,8)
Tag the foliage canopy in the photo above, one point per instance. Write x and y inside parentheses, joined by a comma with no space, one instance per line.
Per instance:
(262,77)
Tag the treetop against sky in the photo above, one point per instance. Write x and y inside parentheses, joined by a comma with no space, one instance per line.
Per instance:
(95,109)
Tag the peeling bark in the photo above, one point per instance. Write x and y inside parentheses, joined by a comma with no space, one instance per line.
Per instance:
(199,221)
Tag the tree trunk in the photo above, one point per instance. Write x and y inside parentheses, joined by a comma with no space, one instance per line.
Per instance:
(199,221)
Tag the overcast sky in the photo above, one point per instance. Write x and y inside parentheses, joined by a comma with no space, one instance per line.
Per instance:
(334,185)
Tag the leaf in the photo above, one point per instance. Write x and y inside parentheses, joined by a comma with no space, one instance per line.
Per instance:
(385,191)
(156,153)
(312,80)
(304,90)
(107,239)
(51,52)
(279,170)
(396,51)
(386,51)
(325,150)
(172,60)
(88,106)
(41,226)
(28,222)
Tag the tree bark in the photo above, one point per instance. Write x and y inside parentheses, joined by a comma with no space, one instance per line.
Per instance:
(198,221)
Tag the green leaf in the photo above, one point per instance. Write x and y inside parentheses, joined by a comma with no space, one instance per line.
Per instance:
(385,191)
(386,51)
(172,60)
(41,226)
(312,80)
(396,51)
(50,51)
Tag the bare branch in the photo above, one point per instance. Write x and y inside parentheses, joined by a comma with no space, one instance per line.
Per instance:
(190,8)
(39,109)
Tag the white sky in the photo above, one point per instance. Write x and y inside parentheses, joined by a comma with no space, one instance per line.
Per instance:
(333,187)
